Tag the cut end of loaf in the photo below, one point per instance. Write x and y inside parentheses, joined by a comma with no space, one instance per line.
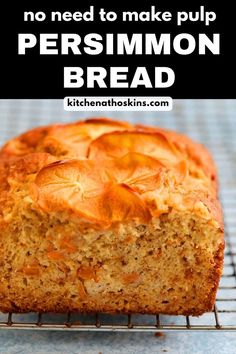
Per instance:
(171,265)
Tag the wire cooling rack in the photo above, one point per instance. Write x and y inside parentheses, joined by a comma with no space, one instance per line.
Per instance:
(211,122)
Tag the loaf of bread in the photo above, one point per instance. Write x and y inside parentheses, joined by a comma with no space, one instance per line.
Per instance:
(105,216)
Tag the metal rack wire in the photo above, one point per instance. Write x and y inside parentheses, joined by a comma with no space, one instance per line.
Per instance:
(114,325)
(223,318)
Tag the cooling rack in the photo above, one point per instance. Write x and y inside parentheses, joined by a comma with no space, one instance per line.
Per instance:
(213,123)
(222,318)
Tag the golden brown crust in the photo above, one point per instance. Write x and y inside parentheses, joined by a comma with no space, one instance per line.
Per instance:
(104,139)
(195,151)
(100,176)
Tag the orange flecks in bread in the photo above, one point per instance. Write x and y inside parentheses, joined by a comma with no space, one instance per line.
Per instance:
(49,245)
(81,291)
(56,255)
(31,268)
(132,277)
(87,273)
(158,253)
(129,239)
(67,244)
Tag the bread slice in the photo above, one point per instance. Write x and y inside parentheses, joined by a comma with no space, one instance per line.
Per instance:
(105,216)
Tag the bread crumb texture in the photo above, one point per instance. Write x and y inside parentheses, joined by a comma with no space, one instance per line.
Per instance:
(102,215)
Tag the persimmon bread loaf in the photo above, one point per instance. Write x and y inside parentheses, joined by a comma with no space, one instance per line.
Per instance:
(101,215)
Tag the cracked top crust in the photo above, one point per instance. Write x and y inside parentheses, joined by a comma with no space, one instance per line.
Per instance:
(102,172)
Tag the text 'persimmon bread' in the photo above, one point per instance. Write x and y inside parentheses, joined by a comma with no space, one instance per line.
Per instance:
(102,215)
